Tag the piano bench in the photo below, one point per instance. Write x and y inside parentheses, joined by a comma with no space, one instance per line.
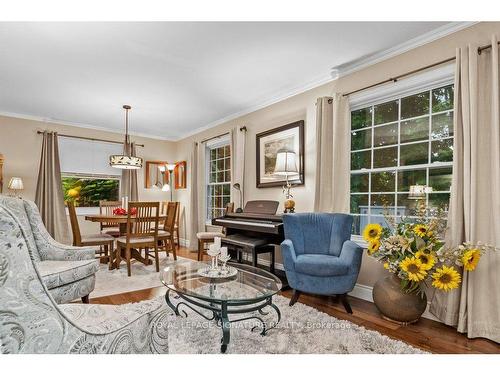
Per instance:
(255,246)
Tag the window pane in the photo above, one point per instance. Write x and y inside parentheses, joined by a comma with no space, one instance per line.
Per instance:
(360,160)
(220,164)
(406,206)
(415,105)
(225,201)
(442,99)
(361,139)
(442,125)
(442,150)
(213,154)
(213,166)
(411,177)
(384,181)
(227,151)
(87,192)
(359,182)
(220,176)
(440,178)
(359,203)
(385,157)
(218,190)
(385,135)
(379,201)
(386,112)
(379,219)
(414,154)
(220,152)
(415,130)
(439,200)
(212,177)
(358,223)
(226,189)
(361,118)
(227,176)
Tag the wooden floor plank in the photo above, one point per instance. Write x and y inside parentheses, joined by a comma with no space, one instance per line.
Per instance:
(426,334)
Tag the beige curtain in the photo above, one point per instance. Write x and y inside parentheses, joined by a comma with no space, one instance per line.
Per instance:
(49,194)
(238,141)
(198,207)
(333,123)
(475,193)
(128,186)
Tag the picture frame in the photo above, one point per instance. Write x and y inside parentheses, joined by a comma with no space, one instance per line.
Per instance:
(152,174)
(290,136)
(180,175)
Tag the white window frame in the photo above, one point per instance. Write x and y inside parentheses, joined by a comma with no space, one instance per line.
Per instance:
(210,145)
(433,79)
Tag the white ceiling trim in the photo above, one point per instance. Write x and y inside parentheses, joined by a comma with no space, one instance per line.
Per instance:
(399,49)
(344,70)
(81,125)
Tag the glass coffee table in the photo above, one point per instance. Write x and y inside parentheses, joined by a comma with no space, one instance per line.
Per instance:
(248,292)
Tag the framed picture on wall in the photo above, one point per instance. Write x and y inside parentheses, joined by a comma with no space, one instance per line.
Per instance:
(289,137)
(154,176)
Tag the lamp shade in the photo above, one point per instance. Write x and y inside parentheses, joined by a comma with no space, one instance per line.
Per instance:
(125,162)
(166,187)
(170,167)
(286,163)
(16,183)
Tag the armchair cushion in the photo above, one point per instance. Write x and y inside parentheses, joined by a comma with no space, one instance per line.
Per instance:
(57,273)
(321,265)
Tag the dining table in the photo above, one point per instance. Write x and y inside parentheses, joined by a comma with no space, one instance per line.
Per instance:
(121,220)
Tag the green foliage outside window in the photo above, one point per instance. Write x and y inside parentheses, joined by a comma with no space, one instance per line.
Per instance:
(87,191)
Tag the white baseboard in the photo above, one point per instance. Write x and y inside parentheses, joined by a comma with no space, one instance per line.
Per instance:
(360,291)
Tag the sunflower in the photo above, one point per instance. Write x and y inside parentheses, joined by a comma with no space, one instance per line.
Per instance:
(421,230)
(470,259)
(446,278)
(414,268)
(372,232)
(373,246)
(427,260)
(386,265)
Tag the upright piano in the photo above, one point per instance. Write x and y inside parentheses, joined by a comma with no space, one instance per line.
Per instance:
(256,230)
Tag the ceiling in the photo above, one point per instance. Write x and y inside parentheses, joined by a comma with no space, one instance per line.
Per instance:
(179,77)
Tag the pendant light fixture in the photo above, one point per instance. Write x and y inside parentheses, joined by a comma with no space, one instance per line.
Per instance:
(126,161)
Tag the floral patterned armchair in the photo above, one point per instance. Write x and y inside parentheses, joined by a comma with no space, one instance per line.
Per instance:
(32,322)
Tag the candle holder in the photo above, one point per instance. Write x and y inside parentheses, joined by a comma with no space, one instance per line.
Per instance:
(224,259)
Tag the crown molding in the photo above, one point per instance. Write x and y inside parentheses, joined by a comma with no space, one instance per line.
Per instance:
(80,125)
(440,32)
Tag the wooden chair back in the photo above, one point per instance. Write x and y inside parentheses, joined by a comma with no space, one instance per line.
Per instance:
(145,222)
(106,208)
(230,207)
(75,227)
(171,216)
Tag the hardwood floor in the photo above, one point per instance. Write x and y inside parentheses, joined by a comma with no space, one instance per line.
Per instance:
(426,334)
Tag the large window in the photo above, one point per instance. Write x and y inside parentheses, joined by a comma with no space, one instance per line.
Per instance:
(396,144)
(219,178)
(87,177)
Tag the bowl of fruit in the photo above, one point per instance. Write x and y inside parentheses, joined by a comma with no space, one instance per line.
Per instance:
(122,212)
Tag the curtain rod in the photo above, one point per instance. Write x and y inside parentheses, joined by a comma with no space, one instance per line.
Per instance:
(395,79)
(90,139)
(243,128)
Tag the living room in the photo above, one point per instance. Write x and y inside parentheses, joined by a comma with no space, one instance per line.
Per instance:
(249,187)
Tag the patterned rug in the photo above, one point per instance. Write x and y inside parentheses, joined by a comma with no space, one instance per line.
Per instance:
(302,329)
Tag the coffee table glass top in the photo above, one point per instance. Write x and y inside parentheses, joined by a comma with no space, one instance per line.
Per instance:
(249,284)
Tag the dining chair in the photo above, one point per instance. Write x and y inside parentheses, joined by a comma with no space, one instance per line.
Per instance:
(166,235)
(208,237)
(142,233)
(106,208)
(163,210)
(103,240)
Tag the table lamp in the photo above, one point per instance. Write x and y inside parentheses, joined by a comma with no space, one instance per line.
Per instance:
(16,185)
(286,165)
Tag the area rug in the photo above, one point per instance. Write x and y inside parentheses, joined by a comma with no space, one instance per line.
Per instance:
(143,277)
(302,330)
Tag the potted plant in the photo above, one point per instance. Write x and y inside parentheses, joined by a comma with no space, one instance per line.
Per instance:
(413,252)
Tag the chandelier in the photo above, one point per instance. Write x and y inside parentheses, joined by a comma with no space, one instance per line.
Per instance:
(126,161)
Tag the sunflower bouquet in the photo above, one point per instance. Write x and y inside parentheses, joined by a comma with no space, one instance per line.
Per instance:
(412,250)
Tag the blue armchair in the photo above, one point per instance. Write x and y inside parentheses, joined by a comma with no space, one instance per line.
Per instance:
(318,256)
